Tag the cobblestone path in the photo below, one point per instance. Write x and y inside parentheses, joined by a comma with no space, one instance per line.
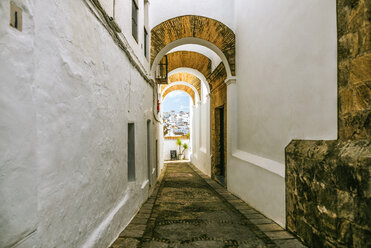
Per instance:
(188,210)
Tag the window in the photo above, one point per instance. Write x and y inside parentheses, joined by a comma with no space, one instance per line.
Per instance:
(131,152)
(145,43)
(15,16)
(146,24)
(149,166)
(134,20)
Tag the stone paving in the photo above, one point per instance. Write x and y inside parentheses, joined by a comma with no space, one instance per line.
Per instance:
(188,209)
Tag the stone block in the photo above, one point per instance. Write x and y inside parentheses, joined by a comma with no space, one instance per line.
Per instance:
(270,227)
(361,236)
(289,243)
(323,211)
(355,125)
(279,235)
(260,221)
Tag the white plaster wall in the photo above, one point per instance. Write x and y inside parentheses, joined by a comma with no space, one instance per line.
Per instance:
(221,10)
(286,89)
(18,134)
(170,144)
(201,137)
(66,97)
(160,139)
(123,17)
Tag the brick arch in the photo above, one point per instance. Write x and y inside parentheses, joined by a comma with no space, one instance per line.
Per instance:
(191,26)
(189,59)
(181,87)
(184,77)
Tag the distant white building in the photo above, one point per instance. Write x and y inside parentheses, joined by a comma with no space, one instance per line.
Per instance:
(176,123)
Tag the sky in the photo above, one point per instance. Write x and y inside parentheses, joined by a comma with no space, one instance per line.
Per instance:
(176,100)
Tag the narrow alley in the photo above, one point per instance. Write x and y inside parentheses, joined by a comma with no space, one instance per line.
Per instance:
(184,123)
(187,209)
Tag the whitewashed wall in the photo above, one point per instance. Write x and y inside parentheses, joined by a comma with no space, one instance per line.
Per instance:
(67,93)
(201,136)
(221,10)
(286,89)
(18,131)
(122,9)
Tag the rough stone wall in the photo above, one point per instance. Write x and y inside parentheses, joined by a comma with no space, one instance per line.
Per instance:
(218,97)
(328,186)
(198,27)
(354,63)
(329,192)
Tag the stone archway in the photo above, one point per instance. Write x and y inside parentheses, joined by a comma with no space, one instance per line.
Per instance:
(189,59)
(184,77)
(204,31)
(190,90)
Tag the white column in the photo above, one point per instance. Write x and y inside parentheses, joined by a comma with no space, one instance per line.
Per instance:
(231,120)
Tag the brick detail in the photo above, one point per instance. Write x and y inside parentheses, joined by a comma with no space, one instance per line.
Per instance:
(189,59)
(184,88)
(198,27)
(184,77)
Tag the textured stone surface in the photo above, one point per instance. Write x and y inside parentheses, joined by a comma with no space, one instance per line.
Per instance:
(354,58)
(198,27)
(329,192)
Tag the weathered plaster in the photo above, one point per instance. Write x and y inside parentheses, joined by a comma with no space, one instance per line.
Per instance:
(162,10)
(67,96)
(286,88)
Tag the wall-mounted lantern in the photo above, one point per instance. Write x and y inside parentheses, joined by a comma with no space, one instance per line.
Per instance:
(162,70)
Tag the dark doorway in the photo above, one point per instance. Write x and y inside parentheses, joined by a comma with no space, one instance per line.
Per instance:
(219,169)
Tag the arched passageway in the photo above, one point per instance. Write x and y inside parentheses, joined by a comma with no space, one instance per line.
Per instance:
(209,116)
(79,120)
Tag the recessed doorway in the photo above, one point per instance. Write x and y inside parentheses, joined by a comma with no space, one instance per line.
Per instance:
(219,170)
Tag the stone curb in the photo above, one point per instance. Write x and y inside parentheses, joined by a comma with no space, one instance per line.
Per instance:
(132,235)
